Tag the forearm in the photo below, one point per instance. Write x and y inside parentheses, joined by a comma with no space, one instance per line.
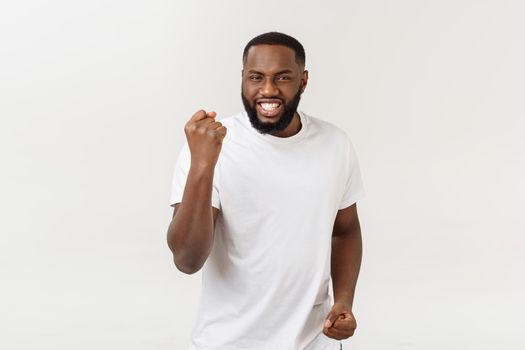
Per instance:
(190,234)
(345,265)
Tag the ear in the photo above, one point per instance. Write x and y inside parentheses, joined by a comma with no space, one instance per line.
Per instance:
(304,80)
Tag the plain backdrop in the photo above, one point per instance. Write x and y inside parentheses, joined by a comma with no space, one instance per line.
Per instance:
(93,99)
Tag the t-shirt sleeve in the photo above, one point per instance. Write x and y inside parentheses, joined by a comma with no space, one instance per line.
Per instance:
(353,189)
(180,174)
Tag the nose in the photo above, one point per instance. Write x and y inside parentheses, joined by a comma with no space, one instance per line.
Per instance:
(268,88)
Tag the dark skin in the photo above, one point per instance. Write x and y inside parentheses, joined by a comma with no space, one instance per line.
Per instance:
(190,233)
(345,264)
(270,71)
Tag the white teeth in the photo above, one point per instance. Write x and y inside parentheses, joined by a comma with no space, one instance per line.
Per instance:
(269,106)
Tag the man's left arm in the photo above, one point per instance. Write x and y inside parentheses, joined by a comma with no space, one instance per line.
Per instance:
(345,264)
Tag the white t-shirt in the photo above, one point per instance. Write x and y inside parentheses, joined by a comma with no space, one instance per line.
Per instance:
(265,282)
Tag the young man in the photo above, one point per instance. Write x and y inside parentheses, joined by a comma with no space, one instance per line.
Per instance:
(265,204)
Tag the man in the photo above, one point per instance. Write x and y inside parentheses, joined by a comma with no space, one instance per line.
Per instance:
(265,204)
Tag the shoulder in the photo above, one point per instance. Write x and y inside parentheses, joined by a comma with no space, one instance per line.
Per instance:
(328,130)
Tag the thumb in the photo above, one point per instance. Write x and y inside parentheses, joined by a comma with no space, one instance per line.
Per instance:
(330,319)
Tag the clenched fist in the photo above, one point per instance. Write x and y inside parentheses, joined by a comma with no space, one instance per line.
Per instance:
(340,322)
(204,136)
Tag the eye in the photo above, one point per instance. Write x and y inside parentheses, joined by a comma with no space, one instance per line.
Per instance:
(255,77)
(284,78)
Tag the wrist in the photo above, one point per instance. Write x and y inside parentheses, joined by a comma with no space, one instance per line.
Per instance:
(202,166)
(347,300)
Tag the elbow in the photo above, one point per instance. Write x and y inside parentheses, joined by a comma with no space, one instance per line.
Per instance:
(186,260)
(187,267)
(182,264)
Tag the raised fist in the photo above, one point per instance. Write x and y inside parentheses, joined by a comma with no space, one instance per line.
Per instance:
(204,136)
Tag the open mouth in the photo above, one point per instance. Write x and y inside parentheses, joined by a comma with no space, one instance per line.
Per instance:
(269,108)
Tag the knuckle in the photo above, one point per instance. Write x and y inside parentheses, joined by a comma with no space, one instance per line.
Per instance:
(192,128)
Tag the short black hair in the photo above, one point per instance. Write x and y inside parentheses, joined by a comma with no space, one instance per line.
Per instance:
(276,38)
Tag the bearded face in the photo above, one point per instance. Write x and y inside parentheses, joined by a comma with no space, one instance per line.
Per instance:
(281,121)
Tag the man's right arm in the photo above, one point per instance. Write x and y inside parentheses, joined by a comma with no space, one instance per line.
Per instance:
(191,231)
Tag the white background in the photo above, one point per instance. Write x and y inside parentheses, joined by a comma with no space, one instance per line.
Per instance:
(93,99)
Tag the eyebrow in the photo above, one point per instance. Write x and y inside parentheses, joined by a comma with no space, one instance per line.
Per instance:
(284,71)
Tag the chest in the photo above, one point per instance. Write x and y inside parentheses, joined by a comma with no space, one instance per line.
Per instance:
(267,179)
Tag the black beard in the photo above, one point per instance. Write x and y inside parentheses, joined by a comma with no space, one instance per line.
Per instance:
(281,124)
